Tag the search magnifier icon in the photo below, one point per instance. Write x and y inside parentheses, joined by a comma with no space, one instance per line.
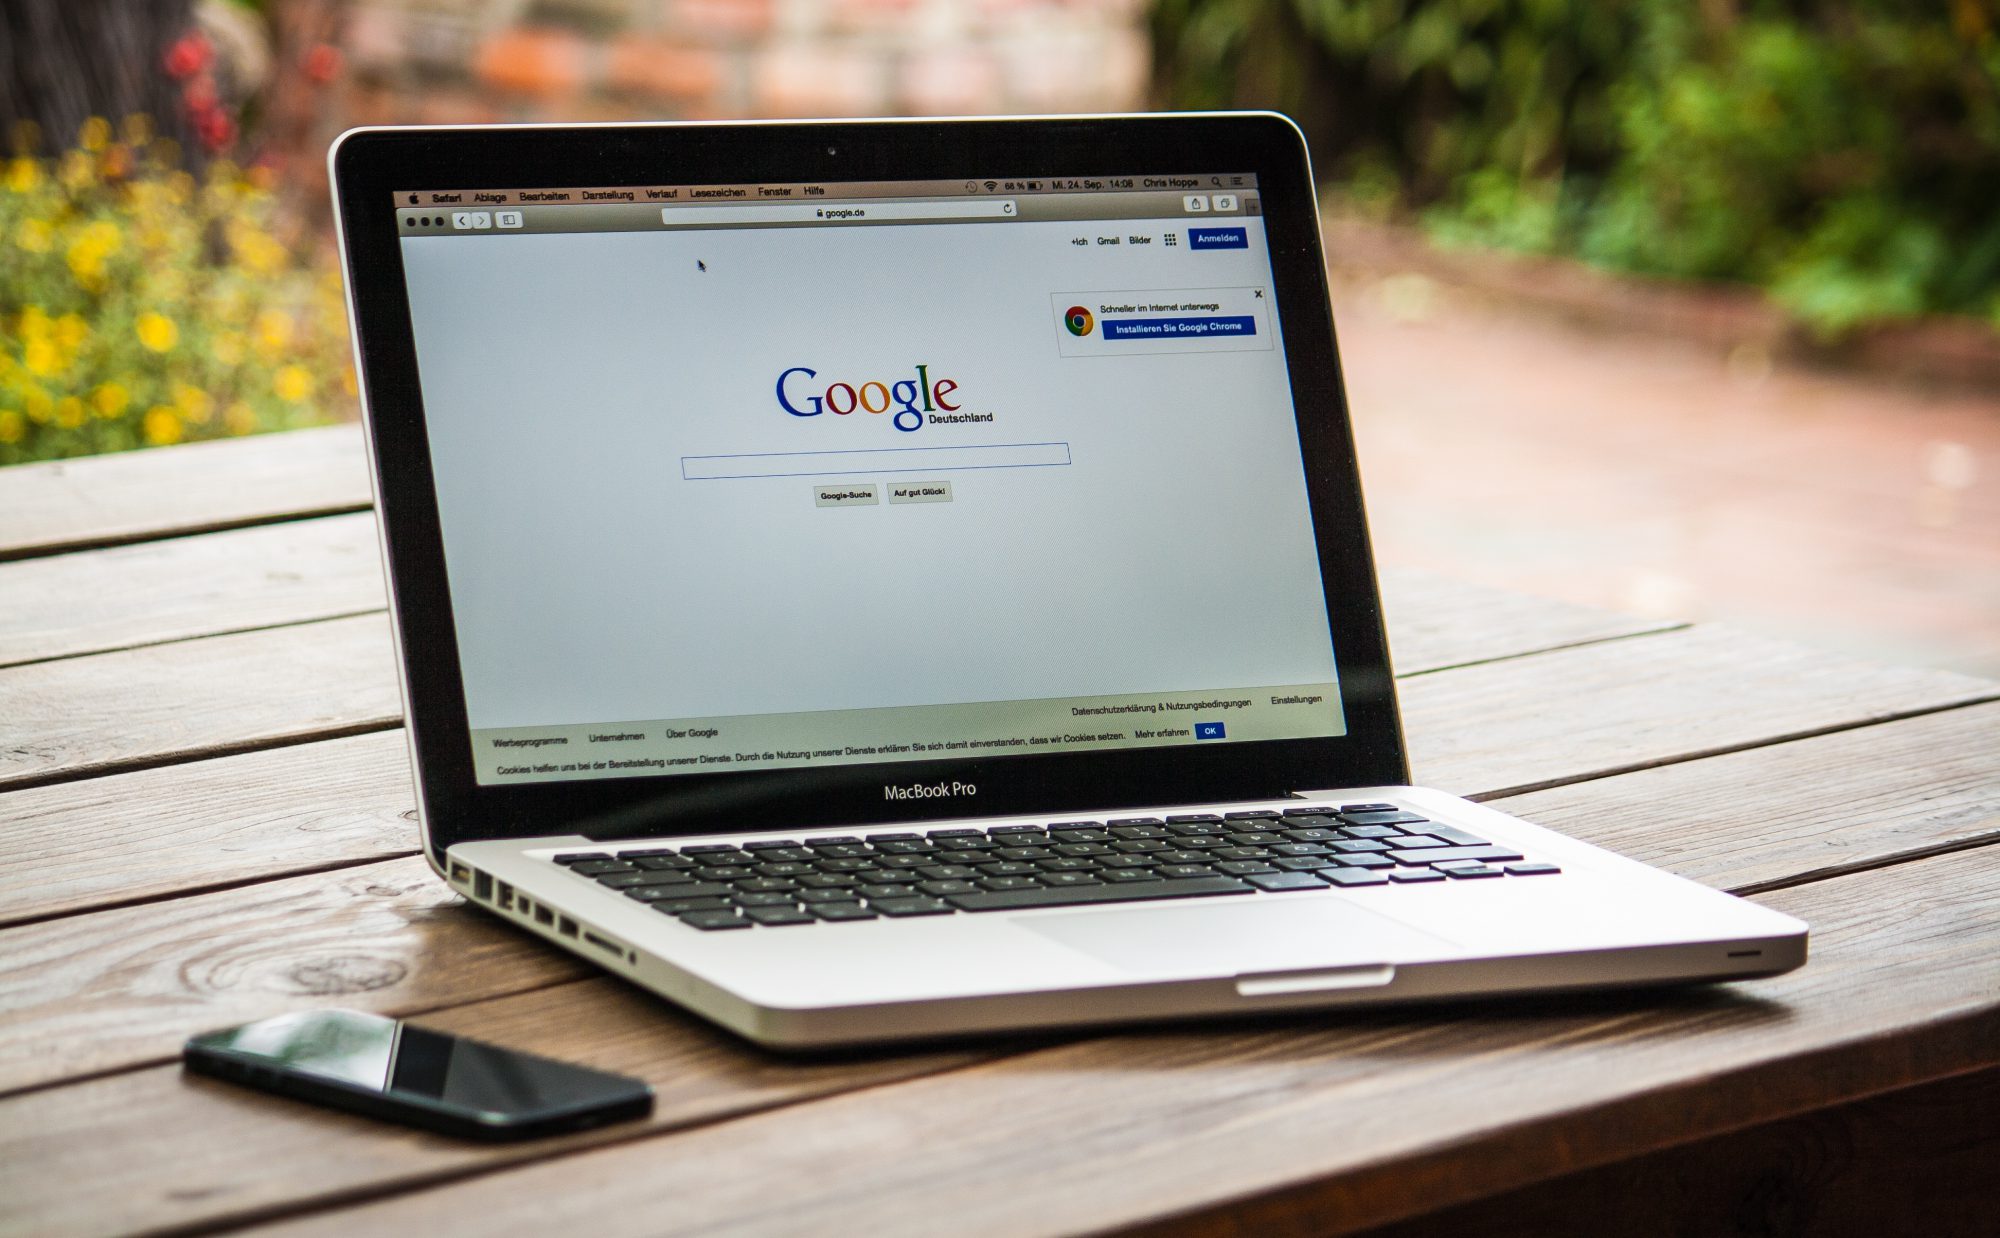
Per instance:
(1215,181)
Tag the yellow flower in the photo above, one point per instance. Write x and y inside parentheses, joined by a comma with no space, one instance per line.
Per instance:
(194,403)
(239,418)
(41,407)
(35,236)
(23,174)
(292,383)
(161,426)
(40,356)
(70,412)
(111,399)
(91,247)
(138,129)
(71,331)
(95,134)
(274,333)
(157,331)
(76,171)
(227,347)
(12,426)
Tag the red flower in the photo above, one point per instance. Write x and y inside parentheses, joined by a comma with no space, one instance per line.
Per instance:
(190,54)
(322,63)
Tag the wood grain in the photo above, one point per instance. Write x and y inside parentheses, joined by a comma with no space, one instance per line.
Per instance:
(1435,622)
(1797,812)
(1542,719)
(169,491)
(229,1170)
(180,828)
(1322,1125)
(95,1130)
(119,987)
(86,716)
(1918,1161)
(93,601)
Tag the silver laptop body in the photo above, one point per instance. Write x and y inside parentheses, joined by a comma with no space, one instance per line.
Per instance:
(729,488)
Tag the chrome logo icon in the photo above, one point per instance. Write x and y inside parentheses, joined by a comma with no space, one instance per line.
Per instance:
(1078,320)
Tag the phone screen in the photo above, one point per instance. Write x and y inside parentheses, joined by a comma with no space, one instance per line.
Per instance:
(413,1072)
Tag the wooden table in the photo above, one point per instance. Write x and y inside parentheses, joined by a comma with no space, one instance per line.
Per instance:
(205,818)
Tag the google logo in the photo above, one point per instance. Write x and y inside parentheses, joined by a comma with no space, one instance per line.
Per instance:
(1078,320)
(910,397)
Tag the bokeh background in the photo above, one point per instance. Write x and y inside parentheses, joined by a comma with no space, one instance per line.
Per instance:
(1688,307)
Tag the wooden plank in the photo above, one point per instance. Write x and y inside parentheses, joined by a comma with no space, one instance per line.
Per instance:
(1917,1161)
(699,1075)
(1539,720)
(120,987)
(302,570)
(293,809)
(86,716)
(1436,622)
(169,491)
(1797,812)
(205,824)
(1307,1127)
(210,1185)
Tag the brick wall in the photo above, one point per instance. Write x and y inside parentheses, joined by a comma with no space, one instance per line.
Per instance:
(485,60)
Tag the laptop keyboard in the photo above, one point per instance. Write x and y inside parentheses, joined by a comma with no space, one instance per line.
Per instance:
(782,882)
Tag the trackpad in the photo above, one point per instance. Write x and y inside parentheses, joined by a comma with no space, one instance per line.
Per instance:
(1256,934)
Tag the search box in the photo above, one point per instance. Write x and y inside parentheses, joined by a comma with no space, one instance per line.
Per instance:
(833,212)
(879,460)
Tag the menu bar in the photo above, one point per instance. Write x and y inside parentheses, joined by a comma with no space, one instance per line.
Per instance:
(803,191)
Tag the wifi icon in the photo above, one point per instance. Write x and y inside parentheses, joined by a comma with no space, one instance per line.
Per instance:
(991,186)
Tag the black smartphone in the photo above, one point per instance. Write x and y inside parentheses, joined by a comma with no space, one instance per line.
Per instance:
(387,1068)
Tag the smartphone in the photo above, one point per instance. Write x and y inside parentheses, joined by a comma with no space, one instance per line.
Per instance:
(390,1069)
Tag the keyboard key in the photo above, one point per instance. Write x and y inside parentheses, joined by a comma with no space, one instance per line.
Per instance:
(1306,863)
(710,921)
(947,872)
(1411,876)
(675,906)
(1179,857)
(783,870)
(1372,831)
(841,851)
(711,849)
(1308,810)
(937,834)
(664,863)
(841,911)
(1189,818)
(1254,814)
(1254,838)
(772,844)
(833,840)
(766,885)
(1197,829)
(724,872)
(1008,868)
(904,861)
(1243,868)
(1069,879)
(1115,875)
(1354,877)
(1024,853)
(1276,882)
(1438,855)
(1345,808)
(916,906)
(578,857)
(1154,830)
(1018,900)
(1473,870)
(1185,870)
(1015,829)
(825,881)
(1456,837)
(1410,842)
(594,868)
(771,898)
(890,890)
(808,897)
(1076,825)
(940,888)
(778,916)
(1009,883)
(1355,846)
(1080,836)
(1241,853)
(1134,821)
(654,894)
(1366,861)
(1066,864)
(1533,868)
(1078,849)
(1124,861)
(620,881)
(1302,849)
(877,840)
(1311,834)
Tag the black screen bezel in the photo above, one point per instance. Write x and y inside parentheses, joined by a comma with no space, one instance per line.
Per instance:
(370,165)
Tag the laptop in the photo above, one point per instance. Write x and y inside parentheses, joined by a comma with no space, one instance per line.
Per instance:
(872,580)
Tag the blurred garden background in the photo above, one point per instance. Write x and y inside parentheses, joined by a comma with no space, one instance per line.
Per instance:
(1681,306)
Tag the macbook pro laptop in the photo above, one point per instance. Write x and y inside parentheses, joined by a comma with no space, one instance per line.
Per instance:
(887,579)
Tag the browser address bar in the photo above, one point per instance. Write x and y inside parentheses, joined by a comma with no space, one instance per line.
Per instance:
(832,212)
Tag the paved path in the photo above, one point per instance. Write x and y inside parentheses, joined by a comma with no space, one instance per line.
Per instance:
(1667,478)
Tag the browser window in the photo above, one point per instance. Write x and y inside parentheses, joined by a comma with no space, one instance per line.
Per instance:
(769,476)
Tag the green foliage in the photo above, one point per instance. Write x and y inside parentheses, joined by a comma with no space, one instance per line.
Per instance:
(141,306)
(1844,154)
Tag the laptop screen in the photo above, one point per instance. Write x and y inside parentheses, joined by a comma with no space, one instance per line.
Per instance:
(743,477)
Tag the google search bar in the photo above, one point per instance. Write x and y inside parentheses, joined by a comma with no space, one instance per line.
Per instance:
(875,461)
(833,212)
